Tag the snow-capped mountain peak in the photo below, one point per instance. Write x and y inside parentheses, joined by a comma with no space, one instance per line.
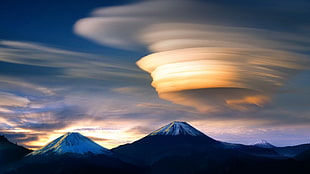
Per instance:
(73,143)
(177,128)
(263,144)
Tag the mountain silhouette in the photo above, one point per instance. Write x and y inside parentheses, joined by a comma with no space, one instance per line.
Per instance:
(292,151)
(10,152)
(305,155)
(175,138)
(174,148)
(180,148)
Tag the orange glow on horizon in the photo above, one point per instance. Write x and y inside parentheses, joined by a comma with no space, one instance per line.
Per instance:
(106,138)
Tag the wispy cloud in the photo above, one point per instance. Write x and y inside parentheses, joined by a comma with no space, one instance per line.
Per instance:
(46,89)
(9,99)
(70,64)
(21,85)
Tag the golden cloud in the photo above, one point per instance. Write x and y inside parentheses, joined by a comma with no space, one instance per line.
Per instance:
(194,46)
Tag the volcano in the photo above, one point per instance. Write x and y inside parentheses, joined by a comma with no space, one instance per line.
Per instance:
(72,153)
(71,143)
(177,128)
(264,144)
(175,138)
(180,148)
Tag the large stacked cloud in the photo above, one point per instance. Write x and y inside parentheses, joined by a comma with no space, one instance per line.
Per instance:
(204,55)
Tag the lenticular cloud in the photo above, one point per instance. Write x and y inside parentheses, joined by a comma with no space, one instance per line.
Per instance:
(197,58)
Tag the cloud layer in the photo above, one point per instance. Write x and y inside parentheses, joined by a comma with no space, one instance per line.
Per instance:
(47,90)
(211,58)
(201,57)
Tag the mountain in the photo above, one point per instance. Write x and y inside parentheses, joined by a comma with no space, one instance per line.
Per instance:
(174,148)
(292,151)
(263,144)
(176,128)
(72,153)
(175,138)
(254,150)
(10,152)
(180,148)
(180,138)
(71,143)
(305,155)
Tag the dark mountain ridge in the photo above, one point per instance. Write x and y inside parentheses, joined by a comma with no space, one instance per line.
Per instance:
(179,148)
(10,152)
(174,148)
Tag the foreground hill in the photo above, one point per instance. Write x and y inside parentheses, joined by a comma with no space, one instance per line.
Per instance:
(10,152)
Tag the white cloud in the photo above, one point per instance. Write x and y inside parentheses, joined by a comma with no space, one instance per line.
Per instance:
(5,110)
(9,99)
(73,64)
(198,47)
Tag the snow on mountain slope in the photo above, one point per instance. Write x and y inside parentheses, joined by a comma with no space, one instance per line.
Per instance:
(177,128)
(71,142)
(263,144)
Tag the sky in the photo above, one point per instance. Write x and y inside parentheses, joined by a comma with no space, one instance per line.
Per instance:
(117,70)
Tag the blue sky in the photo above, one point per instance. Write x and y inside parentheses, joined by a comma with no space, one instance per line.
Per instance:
(116,70)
